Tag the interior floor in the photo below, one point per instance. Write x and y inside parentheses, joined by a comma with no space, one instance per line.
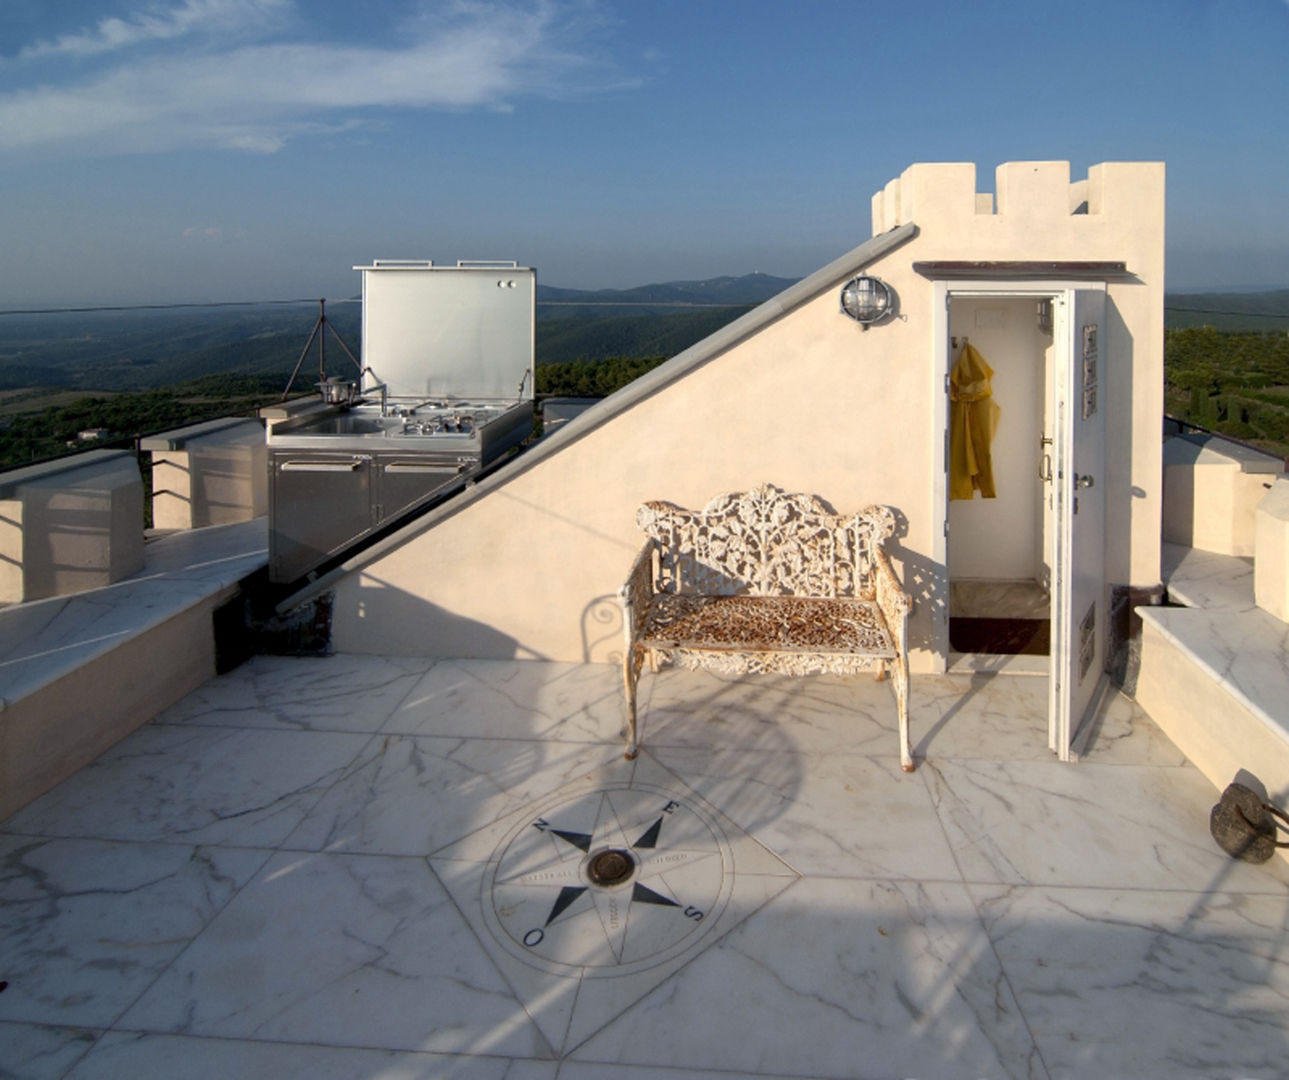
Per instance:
(999,600)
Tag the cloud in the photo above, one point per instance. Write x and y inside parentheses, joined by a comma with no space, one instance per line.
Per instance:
(160,24)
(255,97)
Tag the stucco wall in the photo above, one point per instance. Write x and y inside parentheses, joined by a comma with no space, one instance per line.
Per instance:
(811,402)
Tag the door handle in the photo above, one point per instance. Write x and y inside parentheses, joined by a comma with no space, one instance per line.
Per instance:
(1044,462)
(1084,481)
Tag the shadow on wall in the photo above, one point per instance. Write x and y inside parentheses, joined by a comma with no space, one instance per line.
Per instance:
(924,580)
(403,624)
(602,639)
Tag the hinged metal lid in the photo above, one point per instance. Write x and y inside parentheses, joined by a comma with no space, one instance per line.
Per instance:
(463,331)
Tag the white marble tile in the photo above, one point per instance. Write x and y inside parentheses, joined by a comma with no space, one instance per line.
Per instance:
(819,714)
(1126,826)
(837,978)
(1004,718)
(324,693)
(820,810)
(363,951)
(86,926)
(37,1052)
(195,784)
(406,795)
(1143,984)
(128,1056)
(573,1070)
(533,1070)
(515,699)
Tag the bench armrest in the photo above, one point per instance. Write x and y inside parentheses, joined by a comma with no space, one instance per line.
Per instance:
(893,600)
(638,591)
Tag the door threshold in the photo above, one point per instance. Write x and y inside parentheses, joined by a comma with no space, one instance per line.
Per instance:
(968,663)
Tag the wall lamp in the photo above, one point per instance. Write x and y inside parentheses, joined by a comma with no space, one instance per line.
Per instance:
(866,299)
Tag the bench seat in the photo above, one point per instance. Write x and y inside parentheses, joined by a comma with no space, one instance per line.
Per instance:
(841,626)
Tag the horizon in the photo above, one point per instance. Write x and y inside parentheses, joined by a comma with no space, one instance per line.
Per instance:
(190,151)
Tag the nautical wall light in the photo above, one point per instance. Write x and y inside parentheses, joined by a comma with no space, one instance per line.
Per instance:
(866,299)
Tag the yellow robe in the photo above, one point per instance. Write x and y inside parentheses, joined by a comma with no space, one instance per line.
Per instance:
(973,419)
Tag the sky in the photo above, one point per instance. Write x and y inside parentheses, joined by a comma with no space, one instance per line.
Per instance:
(163,151)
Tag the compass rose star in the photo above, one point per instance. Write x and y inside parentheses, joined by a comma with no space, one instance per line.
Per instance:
(617,877)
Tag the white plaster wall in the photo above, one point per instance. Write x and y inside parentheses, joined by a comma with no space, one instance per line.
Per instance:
(810,402)
(999,539)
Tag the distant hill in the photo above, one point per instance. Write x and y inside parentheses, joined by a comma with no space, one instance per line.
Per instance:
(143,350)
(670,296)
(1267,310)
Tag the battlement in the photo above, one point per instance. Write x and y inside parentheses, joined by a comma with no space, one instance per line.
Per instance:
(944,194)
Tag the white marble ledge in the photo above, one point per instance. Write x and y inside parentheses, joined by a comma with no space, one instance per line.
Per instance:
(42,640)
(1205,579)
(1246,652)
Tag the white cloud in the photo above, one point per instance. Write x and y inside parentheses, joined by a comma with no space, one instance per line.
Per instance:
(161,24)
(255,97)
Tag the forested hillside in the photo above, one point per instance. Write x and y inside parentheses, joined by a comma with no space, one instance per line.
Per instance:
(1233,383)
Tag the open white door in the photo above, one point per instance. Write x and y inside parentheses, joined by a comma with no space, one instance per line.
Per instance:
(1079,615)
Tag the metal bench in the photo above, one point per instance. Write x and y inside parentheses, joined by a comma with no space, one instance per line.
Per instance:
(766,581)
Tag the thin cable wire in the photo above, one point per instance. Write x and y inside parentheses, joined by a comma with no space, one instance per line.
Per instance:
(168,307)
(1241,314)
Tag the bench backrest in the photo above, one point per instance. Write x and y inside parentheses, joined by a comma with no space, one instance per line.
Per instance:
(765,542)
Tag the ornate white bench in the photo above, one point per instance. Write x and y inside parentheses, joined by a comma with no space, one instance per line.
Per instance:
(766,581)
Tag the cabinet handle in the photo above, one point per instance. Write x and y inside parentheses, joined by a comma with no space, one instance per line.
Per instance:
(319,466)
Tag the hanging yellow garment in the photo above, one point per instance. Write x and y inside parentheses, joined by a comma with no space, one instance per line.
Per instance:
(973,419)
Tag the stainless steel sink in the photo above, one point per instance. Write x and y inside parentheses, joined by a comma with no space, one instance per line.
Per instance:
(348,424)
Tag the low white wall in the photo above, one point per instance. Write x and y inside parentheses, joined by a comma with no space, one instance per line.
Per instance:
(70,525)
(215,476)
(48,735)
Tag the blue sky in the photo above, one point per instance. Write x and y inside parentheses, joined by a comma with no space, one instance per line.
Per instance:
(177,150)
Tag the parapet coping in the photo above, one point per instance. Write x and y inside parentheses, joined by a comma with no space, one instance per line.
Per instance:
(12,479)
(180,437)
(615,404)
(1218,450)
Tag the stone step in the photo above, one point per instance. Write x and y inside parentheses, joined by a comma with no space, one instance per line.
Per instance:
(1215,676)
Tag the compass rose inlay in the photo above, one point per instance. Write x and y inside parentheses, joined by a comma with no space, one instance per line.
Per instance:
(621,878)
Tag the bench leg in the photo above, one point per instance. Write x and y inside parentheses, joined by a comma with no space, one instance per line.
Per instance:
(900,683)
(630,675)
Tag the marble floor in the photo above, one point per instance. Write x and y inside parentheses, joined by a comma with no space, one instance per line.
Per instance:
(999,600)
(395,868)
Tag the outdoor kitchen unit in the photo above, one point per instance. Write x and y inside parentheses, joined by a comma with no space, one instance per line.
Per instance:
(445,389)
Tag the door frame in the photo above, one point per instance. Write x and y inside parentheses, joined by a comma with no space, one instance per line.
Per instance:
(942,352)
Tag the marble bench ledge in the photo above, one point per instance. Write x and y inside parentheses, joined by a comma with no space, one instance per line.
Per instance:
(44,640)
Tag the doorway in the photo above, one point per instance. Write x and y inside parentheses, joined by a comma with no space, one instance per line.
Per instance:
(999,551)
(1043,536)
